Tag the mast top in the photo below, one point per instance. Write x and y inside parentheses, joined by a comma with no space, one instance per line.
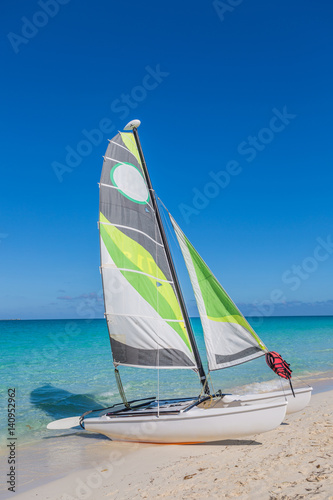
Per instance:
(132,124)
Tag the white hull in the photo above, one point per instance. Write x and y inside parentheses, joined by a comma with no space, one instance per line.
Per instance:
(192,426)
(298,403)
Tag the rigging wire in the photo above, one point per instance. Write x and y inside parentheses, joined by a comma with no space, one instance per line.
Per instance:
(158,310)
(167,221)
(158,382)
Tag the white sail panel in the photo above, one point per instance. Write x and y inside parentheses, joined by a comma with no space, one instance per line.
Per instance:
(138,334)
(229,338)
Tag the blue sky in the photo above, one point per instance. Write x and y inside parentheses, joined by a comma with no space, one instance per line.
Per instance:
(236,106)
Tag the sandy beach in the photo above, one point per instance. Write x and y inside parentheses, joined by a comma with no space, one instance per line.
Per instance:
(291,462)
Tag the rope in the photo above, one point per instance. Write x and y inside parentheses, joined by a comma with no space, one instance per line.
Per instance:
(158,382)
(211,381)
(167,222)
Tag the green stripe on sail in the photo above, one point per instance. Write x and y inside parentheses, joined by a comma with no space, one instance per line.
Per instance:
(179,327)
(129,141)
(130,255)
(239,319)
(218,304)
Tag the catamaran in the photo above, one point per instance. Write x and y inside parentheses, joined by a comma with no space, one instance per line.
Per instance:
(149,325)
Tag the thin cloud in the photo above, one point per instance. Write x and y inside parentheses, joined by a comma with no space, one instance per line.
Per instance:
(91,296)
(289,308)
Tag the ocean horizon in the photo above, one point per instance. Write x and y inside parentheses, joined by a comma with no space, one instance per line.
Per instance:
(192,317)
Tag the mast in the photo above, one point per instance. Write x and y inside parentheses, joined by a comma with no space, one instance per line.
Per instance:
(133,125)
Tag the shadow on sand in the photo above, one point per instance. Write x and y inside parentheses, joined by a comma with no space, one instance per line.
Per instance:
(78,433)
(58,403)
(231,442)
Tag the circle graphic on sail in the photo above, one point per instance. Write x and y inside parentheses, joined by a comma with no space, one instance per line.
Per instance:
(130,182)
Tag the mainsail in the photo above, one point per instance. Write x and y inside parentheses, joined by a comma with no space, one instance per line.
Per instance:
(229,338)
(144,318)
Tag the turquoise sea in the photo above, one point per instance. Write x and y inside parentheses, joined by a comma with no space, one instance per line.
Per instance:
(61,368)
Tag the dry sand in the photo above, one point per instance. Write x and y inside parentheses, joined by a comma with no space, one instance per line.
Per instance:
(292,462)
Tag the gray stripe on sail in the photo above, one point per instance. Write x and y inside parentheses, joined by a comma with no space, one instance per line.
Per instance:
(220,359)
(131,229)
(126,149)
(128,355)
(121,211)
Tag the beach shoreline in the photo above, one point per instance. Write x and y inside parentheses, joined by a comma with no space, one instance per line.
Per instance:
(291,460)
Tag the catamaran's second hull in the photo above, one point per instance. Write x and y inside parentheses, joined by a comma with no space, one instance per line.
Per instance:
(297,403)
(193,426)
